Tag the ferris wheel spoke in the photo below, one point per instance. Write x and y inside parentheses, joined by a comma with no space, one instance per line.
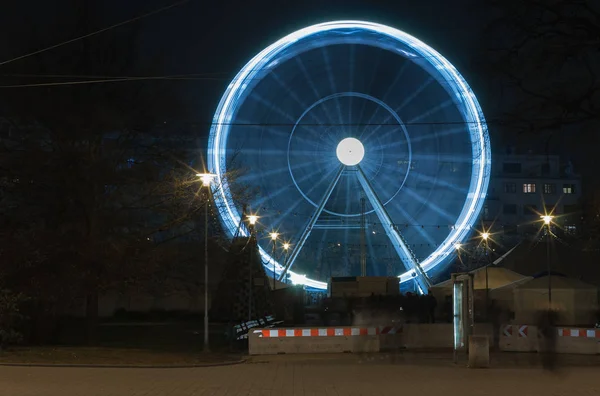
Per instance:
(390,129)
(250,177)
(280,190)
(402,249)
(436,158)
(432,205)
(372,79)
(396,79)
(444,105)
(422,137)
(351,80)
(332,86)
(311,223)
(293,206)
(310,82)
(397,143)
(385,96)
(421,230)
(415,94)
(296,98)
(440,182)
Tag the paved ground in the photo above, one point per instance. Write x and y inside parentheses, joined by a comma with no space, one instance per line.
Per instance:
(310,375)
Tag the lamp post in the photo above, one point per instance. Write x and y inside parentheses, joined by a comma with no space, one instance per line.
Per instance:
(286,247)
(486,236)
(273,236)
(207,179)
(252,219)
(548,222)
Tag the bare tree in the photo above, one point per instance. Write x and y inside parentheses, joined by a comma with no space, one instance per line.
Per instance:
(544,55)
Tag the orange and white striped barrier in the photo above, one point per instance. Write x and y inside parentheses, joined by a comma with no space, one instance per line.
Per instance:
(584,333)
(318,332)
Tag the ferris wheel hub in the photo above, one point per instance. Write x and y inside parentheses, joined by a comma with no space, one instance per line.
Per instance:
(350,151)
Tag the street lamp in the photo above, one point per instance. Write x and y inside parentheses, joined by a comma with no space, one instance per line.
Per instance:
(252,219)
(286,248)
(486,237)
(273,236)
(207,179)
(548,222)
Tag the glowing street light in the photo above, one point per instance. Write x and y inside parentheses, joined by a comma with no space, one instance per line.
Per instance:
(457,246)
(206,179)
(547,219)
(274,235)
(286,248)
(486,236)
(252,219)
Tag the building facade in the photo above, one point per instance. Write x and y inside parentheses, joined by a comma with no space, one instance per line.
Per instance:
(524,187)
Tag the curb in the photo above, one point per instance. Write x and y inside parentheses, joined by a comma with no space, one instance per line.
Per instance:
(124,366)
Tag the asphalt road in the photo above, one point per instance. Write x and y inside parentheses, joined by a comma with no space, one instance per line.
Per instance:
(312,375)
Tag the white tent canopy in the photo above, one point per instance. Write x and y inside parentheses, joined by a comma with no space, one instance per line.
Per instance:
(497,278)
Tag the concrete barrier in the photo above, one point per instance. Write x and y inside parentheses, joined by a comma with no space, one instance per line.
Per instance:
(525,338)
(479,351)
(313,340)
(578,341)
(519,338)
(427,336)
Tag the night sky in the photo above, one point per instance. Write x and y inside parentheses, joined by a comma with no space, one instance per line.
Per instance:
(221,36)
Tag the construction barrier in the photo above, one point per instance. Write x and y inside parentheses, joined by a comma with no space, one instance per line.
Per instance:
(426,336)
(313,340)
(513,338)
(526,338)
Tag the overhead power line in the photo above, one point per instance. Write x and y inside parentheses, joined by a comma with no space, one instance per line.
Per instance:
(137,18)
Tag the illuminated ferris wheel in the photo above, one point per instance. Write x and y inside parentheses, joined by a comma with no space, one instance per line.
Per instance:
(358,136)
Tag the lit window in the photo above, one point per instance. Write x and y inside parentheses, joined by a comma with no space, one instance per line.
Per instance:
(549,188)
(569,188)
(529,188)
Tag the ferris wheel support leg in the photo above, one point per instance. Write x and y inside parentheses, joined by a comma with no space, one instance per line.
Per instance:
(298,246)
(392,233)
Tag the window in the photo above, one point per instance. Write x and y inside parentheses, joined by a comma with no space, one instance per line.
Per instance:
(571,229)
(510,188)
(549,188)
(510,209)
(530,210)
(529,188)
(568,188)
(512,167)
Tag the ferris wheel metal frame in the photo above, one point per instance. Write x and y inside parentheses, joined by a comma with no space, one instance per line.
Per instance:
(465,101)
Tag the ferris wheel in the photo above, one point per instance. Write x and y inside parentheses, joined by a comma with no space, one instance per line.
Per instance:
(357,136)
